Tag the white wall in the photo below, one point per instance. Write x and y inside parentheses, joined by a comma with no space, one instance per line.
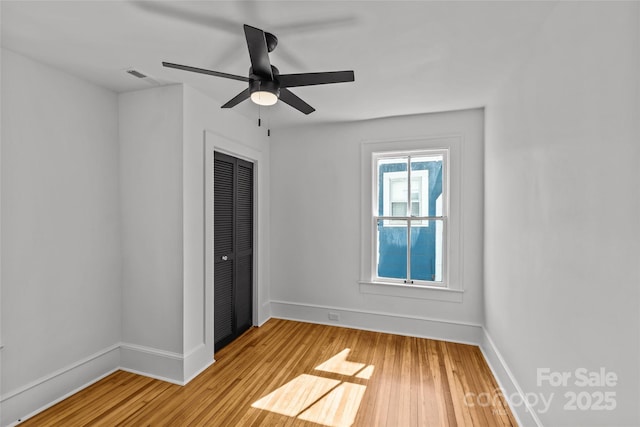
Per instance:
(151,128)
(562,208)
(315,226)
(60,230)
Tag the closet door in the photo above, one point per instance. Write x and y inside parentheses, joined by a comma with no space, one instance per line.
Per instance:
(233,248)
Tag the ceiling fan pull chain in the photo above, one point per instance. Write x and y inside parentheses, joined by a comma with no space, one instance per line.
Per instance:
(259,118)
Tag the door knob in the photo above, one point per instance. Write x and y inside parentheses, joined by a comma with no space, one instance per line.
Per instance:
(224,257)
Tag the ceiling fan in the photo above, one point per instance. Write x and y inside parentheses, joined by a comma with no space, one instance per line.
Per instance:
(266,84)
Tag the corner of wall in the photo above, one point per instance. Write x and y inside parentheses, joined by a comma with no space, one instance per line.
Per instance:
(509,386)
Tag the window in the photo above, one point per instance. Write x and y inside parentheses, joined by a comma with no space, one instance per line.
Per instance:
(420,201)
(409,217)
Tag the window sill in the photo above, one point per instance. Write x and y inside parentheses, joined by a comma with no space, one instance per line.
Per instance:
(411,291)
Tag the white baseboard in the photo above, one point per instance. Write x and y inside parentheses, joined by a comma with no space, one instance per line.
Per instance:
(196,361)
(265,313)
(38,395)
(525,415)
(423,327)
(151,362)
(33,398)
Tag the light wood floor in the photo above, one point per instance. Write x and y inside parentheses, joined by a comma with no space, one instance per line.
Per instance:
(299,374)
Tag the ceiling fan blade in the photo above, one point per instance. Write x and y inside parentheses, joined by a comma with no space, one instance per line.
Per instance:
(209,21)
(245,94)
(309,79)
(290,98)
(258,52)
(203,71)
(314,25)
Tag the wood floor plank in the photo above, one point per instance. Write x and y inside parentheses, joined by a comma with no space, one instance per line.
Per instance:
(289,373)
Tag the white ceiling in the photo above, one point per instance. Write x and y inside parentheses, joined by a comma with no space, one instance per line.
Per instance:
(408,57)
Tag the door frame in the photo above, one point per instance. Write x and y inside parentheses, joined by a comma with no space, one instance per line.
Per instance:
(215,142)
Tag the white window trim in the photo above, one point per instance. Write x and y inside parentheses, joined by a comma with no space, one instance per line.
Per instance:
(451,289)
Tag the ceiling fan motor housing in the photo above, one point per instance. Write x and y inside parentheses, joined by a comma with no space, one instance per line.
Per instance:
(257,83)
(272,86)
(272,41)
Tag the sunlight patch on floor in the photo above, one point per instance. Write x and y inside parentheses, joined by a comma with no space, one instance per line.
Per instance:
(338,408)
(366,373)
(318,399)
(296,395)
(339,364)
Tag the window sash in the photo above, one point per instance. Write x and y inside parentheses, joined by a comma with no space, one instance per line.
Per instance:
(409,279)
(396,221)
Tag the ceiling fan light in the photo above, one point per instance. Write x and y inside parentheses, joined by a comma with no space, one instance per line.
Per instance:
(263,97)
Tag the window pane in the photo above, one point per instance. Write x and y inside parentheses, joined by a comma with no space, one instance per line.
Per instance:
(392,185)
(392,249)
(426,251)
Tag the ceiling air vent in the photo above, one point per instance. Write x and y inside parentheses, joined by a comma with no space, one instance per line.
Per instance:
(143,76)
(136,73)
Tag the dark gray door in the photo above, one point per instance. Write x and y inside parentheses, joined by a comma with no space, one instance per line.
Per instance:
(233,247)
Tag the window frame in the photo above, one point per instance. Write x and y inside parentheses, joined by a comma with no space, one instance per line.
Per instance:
(451,289)
(375,217)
